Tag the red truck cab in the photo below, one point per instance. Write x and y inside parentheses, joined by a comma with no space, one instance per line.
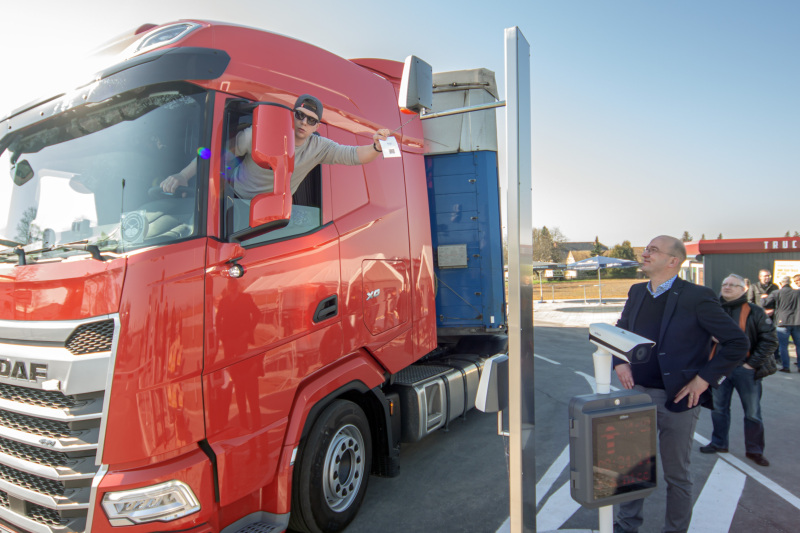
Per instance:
(199,361)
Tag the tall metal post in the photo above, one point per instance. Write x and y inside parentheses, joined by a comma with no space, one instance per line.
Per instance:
(599,286)
(522,463)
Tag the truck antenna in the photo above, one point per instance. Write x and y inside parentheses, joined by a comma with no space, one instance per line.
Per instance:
(404,124)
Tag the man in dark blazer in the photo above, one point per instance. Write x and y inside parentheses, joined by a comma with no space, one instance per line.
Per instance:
(682,318)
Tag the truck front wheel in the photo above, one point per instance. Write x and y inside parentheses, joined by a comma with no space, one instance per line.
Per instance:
(332,470)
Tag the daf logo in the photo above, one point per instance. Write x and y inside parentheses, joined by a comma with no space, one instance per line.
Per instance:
(373,294)
(22,370)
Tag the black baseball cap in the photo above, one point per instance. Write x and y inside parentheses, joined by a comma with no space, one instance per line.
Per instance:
(306,101)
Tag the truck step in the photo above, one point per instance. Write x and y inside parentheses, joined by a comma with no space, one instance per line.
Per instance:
(416,373)
(260,527)
(259,522)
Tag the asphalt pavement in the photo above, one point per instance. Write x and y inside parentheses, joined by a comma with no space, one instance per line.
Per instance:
(576,313)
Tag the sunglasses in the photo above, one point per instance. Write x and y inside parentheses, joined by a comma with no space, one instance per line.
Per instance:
(300,116)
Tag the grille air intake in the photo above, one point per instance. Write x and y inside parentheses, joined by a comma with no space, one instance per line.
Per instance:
(91,338)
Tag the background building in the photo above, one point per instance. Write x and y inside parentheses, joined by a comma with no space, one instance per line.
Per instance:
(779,255)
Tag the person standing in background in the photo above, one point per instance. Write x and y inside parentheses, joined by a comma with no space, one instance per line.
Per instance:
(786,303)
(759,291)
(746,378)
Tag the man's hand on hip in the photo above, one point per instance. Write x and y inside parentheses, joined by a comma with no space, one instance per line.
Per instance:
(693,390)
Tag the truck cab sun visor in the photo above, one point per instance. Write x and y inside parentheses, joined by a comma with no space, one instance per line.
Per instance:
(171,64)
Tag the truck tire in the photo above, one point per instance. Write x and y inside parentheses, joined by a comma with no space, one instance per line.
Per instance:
(332,470)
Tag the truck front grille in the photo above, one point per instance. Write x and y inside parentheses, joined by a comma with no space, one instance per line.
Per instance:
(49,440)
(29,481)
(37,426)
(48,517)
(32,454)
(40,398)
(37,513)
(91,338)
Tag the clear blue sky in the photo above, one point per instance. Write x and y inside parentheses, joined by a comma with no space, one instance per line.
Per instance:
(649,116)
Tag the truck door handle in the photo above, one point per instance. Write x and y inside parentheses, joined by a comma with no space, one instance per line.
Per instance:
(326,309)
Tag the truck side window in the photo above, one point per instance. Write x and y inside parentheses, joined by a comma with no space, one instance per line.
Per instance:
(306,201)
(310,191)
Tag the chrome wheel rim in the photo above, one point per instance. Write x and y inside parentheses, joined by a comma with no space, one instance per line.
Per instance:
(344,468)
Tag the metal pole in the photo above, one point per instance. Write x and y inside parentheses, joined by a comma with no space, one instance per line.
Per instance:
(460,110)
(602,377)
(599,286)
(541,288)
(522,463)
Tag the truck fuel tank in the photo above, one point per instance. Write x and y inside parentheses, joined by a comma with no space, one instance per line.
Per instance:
(432,394)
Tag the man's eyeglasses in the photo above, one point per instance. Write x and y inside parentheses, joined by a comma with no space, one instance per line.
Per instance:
(650,250)
(732,285)
(300,116)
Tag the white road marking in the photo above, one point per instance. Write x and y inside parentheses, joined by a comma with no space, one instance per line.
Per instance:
(716,505)
(557,510)
(593,382)
(505,527)
(764,480)
(546,359)
(701,439)
(790,498)
(549,478)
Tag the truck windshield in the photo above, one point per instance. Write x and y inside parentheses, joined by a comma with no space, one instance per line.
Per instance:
(91,175)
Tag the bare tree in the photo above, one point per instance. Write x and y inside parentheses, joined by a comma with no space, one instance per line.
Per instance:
(27,231)
(546,244)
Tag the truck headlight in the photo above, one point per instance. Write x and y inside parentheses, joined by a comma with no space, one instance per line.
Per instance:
(164,502)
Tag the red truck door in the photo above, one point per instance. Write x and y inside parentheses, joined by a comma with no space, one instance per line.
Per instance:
(266,331)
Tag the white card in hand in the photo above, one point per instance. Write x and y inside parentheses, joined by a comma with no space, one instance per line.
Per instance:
(390,147)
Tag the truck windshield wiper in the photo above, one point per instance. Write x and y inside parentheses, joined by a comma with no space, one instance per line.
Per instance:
(84,245)
(11,244)
(21,252)
(16,248)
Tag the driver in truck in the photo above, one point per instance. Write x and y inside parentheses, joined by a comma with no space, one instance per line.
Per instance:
(310,150)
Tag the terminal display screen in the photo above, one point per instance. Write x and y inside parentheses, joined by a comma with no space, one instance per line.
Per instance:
(624,453)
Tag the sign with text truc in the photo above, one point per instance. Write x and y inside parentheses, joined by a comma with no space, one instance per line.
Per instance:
(612,448)
(744,246)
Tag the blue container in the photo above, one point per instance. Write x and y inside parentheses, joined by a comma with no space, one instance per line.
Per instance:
(463,196)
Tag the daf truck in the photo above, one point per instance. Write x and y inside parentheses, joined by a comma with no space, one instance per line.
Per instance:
(199,362)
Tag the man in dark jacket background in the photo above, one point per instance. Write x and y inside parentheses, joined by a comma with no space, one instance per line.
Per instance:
(759,291)
(746,378)
(786,303)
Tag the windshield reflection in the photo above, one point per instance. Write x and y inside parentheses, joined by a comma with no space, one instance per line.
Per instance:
(91,175)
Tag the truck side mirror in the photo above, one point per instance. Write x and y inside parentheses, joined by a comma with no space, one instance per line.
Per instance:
(22,172)
(273,147)
(416,87)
